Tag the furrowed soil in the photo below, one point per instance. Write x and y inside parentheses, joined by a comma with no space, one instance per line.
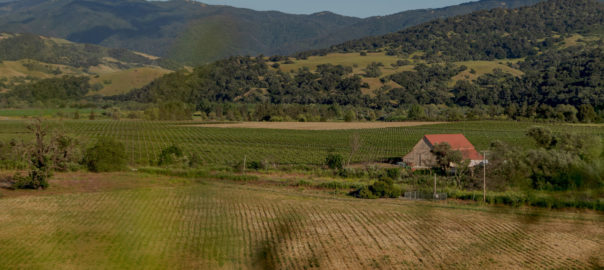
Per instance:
(319,125)
(158,222)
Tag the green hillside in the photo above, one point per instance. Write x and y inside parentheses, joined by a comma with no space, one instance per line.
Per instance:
(28,58)
(515,62)
(191,32)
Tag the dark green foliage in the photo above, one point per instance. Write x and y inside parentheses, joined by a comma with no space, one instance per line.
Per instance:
(445,156)
(586,113)
(542,136)
(383,188)
(232,79)
(67,87)
(34,180)
(364,193)
(64,152)
(562,161)
(106,155)
(373,70)
(393,173)
(170,155)
(334,161)
(486,35)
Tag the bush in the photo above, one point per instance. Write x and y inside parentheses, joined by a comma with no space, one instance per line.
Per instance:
(105,156)
(335,161)
(365,193)
(383,188)
(35,180)
(394,173)
(255,165)
(170,156)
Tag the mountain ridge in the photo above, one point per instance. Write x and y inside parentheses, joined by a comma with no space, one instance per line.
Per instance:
(195,33)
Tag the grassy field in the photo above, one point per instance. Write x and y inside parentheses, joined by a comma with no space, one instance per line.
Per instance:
(120,82)
(139,221)
(144,140)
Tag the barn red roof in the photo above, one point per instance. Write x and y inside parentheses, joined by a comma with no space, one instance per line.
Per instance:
(458,142)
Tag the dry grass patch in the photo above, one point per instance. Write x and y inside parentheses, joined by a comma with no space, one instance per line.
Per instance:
(485,67)
(318,125)
(122,81)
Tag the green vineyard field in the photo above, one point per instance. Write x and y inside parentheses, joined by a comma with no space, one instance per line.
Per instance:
(144,140)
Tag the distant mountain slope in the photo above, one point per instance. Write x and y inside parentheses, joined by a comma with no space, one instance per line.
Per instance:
(195,33)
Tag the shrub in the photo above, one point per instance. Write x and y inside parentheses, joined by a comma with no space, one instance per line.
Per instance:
(383,188)
(169,156)
(105,156)
(365,193)
(255,165)
(36,179)
(334,161)
(393,173)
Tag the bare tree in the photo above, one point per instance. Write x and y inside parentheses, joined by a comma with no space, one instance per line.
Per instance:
(355,145)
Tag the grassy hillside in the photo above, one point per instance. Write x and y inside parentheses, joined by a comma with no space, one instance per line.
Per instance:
(134,221)
(474,69)
(530,62)
(195,33)
(119,82)
(26,58)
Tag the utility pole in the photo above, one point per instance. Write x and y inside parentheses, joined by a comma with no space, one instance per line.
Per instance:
(244,161)
(484,176)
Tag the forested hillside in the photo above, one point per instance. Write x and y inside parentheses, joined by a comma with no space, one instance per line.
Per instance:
(487,35)
(195,33)
(552,53)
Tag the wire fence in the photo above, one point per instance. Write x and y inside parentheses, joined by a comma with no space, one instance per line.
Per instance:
(422,195)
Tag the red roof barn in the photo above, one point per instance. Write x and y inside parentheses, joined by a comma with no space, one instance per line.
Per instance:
(422,157)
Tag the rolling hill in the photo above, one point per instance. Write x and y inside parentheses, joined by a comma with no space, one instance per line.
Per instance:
(25,58)
(194,33)
(531,59)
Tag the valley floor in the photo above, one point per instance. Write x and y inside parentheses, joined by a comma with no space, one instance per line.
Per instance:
(140,221)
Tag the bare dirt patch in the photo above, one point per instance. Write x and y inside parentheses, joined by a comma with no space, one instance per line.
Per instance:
(318,125)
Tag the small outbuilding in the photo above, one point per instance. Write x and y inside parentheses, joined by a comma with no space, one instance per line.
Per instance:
(421,157)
